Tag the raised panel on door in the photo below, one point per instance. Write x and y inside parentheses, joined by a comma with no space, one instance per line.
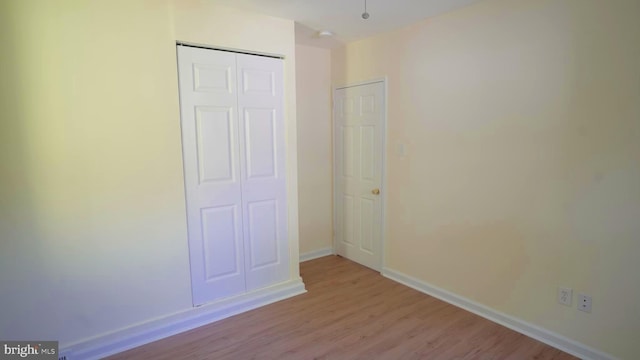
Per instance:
(215,144)
(262,236)
(367,225)
(359,121)
(222,253)
(349,149)
(260,105)
(368,154)
(214,77)
(349,221)
(211,158)
(260,143)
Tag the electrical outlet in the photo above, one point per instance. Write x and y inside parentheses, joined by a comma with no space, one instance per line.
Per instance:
(584,303)
(564,296)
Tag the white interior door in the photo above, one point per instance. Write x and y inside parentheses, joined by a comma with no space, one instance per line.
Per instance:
(359,114)
(260,103)
(234,167)
(211,155)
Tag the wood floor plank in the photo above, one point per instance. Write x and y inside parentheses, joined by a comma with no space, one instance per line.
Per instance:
(350,312)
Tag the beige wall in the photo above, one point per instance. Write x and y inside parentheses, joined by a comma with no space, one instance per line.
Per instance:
(522,124)
(93,230)
(313,77)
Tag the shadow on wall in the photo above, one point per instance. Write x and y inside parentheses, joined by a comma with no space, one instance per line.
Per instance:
(20,229)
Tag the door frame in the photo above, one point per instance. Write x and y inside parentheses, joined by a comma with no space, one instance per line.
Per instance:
(243,210)
(383,167)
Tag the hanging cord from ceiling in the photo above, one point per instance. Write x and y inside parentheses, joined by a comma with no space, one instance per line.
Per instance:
(365,14)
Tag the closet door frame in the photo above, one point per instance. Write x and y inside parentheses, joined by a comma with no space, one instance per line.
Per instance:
(243,212)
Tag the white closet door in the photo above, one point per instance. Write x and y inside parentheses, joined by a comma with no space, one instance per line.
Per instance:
(211,153)
(260,110)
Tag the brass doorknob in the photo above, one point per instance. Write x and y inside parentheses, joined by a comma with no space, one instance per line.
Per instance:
(375,191)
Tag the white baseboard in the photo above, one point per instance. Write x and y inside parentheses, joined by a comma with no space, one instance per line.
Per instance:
(160,328)
(548,337)
(315,254)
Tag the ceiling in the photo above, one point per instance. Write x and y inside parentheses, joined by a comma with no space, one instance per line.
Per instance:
(343,17)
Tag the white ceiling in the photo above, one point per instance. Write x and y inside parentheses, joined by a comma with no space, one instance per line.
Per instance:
(343,17)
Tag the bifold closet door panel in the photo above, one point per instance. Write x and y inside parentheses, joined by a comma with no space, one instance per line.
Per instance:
(213,179)
(260,111)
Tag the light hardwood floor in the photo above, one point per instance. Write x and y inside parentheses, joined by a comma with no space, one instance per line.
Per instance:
(350,312)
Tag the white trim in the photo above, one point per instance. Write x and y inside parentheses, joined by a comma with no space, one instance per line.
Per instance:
(160,328)
(546,336)
(385,196)
(383,179)
(316,254)
(334,245)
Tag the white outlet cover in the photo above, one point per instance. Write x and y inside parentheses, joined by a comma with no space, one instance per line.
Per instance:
(401,150)
(584,303)
(564,296)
